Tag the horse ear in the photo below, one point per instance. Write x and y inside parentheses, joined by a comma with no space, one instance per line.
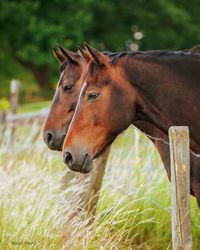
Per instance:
(98,57)
(84,54)
(67,54)
(59,57)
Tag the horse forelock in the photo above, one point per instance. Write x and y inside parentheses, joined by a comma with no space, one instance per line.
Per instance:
(63,66)
(91,68)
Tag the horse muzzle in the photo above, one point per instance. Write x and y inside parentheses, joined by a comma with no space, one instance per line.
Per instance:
(54,141)
(77,162)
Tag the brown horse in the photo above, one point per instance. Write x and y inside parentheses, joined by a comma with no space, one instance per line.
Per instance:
(151,90)
(66,96)
(59,117)
(64,102)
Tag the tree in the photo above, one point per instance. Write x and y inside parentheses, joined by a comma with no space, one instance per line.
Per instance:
(32,28)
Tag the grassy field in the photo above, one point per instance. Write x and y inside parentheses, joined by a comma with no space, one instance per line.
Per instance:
(30,107)
(133,211)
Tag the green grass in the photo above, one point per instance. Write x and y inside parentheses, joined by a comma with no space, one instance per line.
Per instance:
(133,210)
(30,107)
(24,108)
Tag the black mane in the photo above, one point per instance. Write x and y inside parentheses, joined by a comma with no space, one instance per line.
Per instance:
(143,55)
(153,54)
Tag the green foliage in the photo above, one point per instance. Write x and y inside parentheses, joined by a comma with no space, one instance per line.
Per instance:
(10,69)
(29,29)
(30,107)
(32,28)
(4,104)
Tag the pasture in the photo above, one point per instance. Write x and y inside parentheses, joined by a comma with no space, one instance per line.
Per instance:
(133,211)
(150,78)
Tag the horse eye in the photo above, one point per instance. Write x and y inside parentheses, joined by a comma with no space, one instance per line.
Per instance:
(67,87)
(93,96)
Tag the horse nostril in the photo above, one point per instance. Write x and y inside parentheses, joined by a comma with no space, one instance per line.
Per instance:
(68,159)
(49,138)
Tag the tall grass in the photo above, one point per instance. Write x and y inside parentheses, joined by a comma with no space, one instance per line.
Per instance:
(133,210)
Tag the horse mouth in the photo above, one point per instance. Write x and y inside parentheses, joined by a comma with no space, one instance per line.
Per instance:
(86,166)
(62,138)
(59,145)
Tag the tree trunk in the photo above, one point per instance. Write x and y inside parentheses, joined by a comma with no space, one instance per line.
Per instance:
(41,75)
(43,79)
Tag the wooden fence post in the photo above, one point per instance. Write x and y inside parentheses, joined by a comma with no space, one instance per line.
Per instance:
(180,181)
(3,124)
(14,95)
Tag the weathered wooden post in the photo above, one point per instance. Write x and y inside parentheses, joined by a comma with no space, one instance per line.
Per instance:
(180,181)
(14,95)
(3,124)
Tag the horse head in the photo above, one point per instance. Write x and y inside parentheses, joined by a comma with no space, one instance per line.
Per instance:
(104,109)
(65,97)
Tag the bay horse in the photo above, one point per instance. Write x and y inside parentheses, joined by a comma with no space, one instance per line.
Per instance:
(59,117)
(152,90)
(65,99)
(66,96)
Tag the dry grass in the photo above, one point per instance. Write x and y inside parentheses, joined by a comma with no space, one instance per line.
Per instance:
(133,211)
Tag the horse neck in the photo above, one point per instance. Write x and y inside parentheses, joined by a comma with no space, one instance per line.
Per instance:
(164,96)
(143,77)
